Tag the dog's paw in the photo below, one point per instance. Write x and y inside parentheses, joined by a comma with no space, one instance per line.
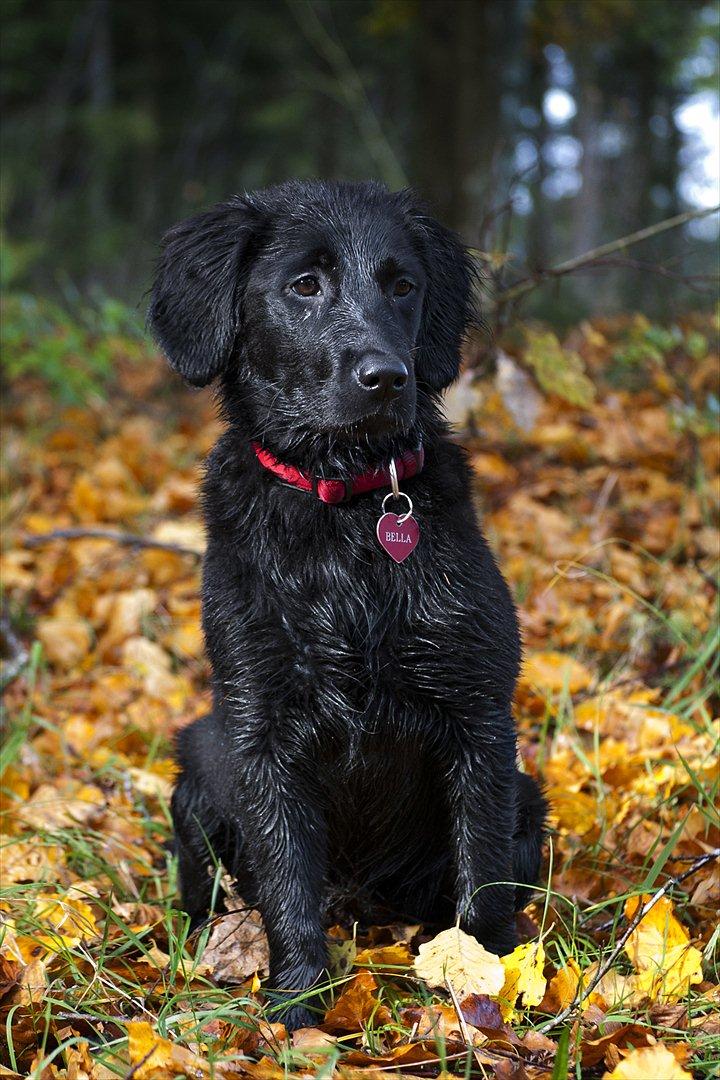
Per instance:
(499,940)
(499,946)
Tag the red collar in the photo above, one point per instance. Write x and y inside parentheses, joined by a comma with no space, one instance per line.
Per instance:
(337,491)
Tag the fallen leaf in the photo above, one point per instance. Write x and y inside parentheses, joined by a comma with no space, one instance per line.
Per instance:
(385,956)
(553,672)
(598,1040)
(562,988)
(66,641)
(650,1063)
(310,1040)
(660,951)
(356,1005)
(155,1058)
(481,1011)
(559,371)
(341,956)
(237,946)
(124,613)
(523,977)
(456,957)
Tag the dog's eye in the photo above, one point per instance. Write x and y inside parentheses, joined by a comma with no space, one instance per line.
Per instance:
(403,287)
(306,286)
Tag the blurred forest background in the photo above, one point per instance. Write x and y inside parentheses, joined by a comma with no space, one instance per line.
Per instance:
(537,127)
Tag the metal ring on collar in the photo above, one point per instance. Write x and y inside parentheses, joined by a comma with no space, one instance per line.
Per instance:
(399,495)
(394,478)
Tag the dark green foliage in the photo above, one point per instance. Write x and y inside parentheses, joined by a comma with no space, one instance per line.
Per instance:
(123,116)
(74,353)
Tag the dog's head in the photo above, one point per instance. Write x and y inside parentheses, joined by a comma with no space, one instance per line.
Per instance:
(325,307)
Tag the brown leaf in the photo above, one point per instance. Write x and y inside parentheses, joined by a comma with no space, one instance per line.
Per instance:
(594,1048)
(481,1011)
(356,1005)
(237,947)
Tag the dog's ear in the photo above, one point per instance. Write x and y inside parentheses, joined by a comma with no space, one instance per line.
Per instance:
(449,307)
(195,308)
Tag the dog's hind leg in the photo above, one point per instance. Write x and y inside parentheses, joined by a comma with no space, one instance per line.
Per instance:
(202,839)
(199,847)
(529,836)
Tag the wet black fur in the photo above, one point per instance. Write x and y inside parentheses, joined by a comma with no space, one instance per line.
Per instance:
(361,743)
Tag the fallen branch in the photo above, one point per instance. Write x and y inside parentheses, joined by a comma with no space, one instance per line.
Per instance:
(603,969)
(123,538)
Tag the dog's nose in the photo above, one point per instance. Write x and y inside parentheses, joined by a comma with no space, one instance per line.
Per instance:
(382,376)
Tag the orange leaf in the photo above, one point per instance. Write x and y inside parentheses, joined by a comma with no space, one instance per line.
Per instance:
(386,955)
(554,672)
(356,1005)
(562,988)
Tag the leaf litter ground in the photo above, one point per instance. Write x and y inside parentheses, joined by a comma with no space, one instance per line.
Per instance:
(604,519)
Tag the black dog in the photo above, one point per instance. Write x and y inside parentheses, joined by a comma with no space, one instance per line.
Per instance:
(361,738)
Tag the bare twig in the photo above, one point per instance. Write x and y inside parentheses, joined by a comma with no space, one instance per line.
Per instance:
(703,284)
(463,1025)
(601,505)
(589,257)
(608,962)
(458,1012)
(123,538)
(139,1064)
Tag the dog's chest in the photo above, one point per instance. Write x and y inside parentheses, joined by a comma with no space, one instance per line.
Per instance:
(369,648)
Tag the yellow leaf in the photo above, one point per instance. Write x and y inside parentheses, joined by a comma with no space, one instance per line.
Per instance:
(559,371)
(523,977)
(555,672)
(573,812)
(456,957)
(390,955)
(155,1058)
(562,988)
(149,662)
(654,1062)
(189,534)
(660,951)
(70,919)
(64,806)
(29,860)
(150,783)
(124,613)
(65,641)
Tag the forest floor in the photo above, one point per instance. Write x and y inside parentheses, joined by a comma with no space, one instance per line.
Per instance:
(604,520)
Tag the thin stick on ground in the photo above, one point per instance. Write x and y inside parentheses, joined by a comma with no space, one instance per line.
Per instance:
(123,538)
(139,1064)
(610,959)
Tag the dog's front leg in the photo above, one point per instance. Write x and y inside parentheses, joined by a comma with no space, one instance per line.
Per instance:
(284,839)
(482,812)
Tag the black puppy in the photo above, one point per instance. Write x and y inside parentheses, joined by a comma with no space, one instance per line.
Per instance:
(361,738)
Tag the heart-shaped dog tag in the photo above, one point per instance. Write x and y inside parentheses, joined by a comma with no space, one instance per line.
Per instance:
(398,534)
